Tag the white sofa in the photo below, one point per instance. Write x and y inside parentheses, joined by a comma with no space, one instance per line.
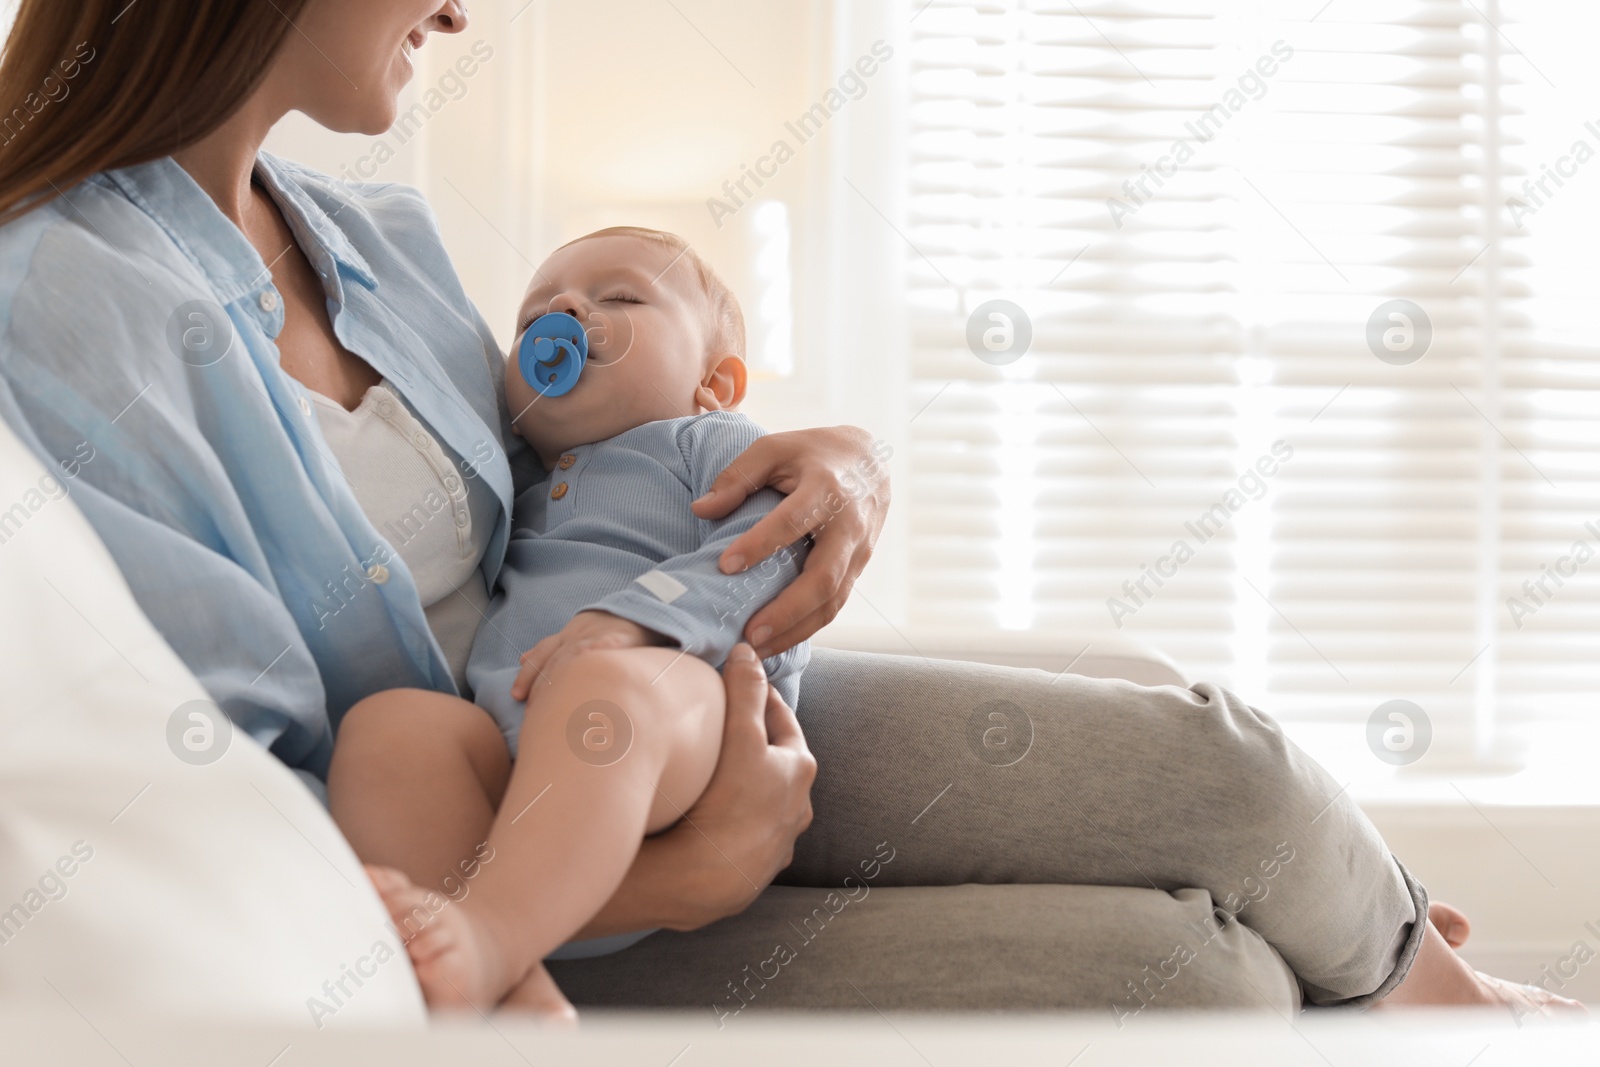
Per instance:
(133,880)
(159,908)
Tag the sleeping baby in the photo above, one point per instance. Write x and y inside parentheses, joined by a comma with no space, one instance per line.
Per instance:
(599,703)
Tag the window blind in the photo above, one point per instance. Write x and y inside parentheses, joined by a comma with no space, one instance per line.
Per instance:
(1289,410)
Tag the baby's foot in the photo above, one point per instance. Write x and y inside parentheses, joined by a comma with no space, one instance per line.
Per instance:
(458,961)
(537,994)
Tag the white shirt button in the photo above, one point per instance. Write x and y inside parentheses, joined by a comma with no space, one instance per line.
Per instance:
(305,406)
(378,573)
(268,301)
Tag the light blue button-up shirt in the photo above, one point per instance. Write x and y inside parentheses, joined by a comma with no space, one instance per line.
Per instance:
(138,361)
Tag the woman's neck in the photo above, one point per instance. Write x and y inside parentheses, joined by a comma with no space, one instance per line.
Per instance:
(221,162)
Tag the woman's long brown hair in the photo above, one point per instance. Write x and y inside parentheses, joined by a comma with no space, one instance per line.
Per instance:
(89,85)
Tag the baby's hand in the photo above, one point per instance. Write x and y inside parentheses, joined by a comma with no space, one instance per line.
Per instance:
(588,631)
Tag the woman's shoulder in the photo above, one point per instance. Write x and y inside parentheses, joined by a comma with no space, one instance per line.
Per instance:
(75,215)
(88,255)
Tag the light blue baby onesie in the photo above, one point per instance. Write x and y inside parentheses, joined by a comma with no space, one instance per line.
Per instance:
(610,529)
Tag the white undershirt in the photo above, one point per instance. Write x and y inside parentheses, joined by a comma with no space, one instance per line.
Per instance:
(413,490)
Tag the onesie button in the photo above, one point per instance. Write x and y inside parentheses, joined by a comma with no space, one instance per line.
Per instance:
(378,573)
(567,461)
(422,440)
(462,518)
(559,491)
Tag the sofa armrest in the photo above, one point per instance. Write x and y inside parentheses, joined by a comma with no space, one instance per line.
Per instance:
(1093,655)
(156,862)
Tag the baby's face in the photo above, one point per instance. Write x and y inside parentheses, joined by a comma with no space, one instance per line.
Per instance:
(647,342)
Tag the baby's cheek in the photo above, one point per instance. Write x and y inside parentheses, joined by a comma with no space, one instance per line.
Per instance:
(519,397)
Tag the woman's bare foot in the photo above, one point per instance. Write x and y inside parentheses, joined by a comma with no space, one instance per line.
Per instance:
(1451,922)
(459,962)
(538,994)
(1439,978)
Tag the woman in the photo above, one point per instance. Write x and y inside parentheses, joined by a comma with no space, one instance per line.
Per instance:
(191,324)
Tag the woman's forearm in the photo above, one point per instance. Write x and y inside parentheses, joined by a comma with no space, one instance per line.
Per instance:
(659,891)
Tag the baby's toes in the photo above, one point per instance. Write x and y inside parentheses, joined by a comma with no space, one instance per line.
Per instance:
(537,994)
(406,902)
(399,893)
(456,963)
(385,879)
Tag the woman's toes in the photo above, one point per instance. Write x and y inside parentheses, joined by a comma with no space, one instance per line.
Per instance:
(1530,1001)
(1451,923)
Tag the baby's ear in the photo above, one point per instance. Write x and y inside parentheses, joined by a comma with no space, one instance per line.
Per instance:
(724,385)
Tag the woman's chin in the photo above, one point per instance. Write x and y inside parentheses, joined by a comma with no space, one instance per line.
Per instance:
(369,122)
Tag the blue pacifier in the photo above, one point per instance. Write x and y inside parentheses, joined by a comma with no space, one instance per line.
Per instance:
(552,353)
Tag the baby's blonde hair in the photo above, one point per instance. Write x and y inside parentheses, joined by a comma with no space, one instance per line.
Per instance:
(724,320)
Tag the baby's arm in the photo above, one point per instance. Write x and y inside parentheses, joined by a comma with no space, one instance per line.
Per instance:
(687,599)
(587,631)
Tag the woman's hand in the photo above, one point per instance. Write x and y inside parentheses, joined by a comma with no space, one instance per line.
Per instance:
(837,485)
(739,834)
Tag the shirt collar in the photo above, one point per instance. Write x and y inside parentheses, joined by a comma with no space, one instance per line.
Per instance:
(288,181)
(166,192)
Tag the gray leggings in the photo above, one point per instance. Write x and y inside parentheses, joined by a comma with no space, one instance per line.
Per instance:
(1115,848)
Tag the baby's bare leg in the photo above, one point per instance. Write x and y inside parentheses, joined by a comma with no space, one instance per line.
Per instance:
(614,745)
(415,781)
